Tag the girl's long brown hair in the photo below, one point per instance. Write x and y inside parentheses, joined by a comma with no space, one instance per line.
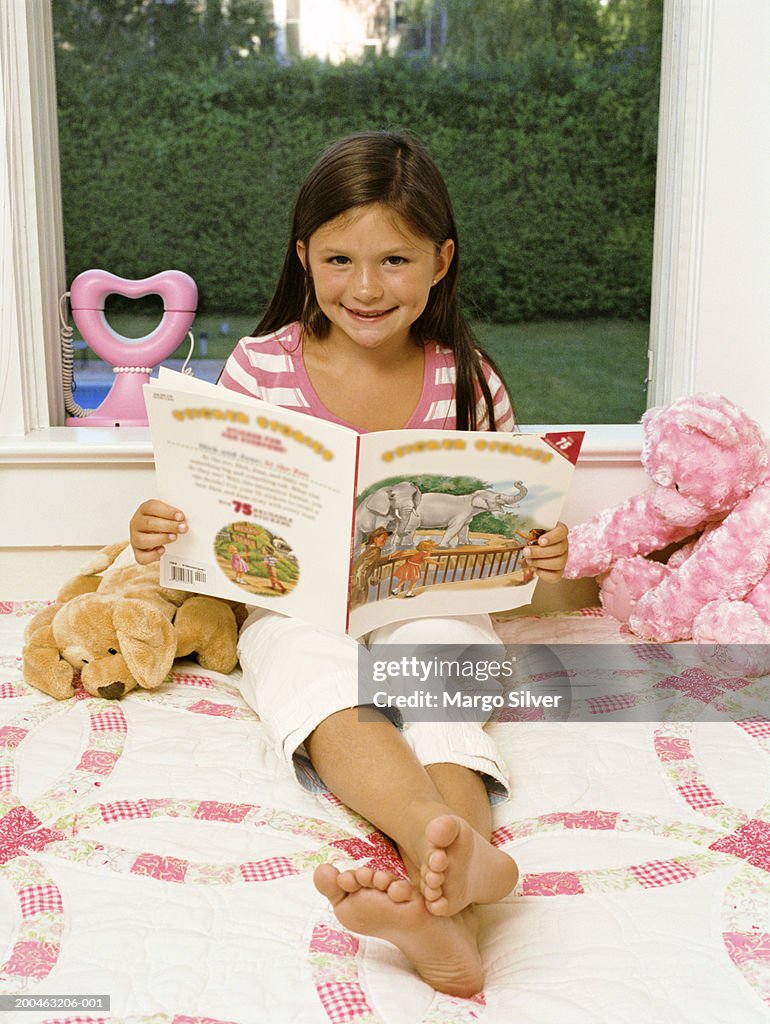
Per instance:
(395,169)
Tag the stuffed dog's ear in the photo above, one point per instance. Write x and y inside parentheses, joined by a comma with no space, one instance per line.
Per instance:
(147,640)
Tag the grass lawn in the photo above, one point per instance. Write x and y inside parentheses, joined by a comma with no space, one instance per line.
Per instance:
(589,371)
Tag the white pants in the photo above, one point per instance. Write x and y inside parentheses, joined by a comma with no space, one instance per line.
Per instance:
(295,676)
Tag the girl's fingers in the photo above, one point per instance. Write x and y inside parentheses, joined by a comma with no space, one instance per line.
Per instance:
(145,557)
(150,541)
(160,509)
(541,556)
(166,528)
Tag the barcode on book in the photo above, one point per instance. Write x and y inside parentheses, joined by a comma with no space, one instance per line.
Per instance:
(186,573)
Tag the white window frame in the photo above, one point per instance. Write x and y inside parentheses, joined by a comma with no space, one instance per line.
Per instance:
(710,323)
(31,239)
(710,311)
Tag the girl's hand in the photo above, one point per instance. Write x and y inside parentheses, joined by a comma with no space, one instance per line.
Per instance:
(547,557)
(153,525)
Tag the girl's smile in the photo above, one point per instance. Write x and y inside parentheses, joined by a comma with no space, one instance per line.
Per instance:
(372,276)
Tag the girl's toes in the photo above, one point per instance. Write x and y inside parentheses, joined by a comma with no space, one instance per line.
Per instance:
(431,895)
(433,880)
(326,880)
(437,860)
(443,831)
(364,877)
(347,881)
(400,891)
(438,907)
(381,880)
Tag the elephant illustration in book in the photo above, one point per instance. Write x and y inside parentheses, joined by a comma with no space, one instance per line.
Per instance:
(389,506)
(453,513)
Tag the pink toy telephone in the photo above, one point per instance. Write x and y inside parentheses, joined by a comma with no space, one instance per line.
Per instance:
(132,359)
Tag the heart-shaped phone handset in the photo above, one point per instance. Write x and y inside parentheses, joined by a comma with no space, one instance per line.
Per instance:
(132,359)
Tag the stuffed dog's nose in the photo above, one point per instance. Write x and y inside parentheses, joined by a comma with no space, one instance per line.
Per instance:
(111,692)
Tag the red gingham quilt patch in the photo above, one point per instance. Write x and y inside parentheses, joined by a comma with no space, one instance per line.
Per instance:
(698,795)
(183,679)
(757,727)
(342,1000)
(109,721)
(125,810)
(268,870)
(40,899)
(657,873)
(652,652)
(613,702)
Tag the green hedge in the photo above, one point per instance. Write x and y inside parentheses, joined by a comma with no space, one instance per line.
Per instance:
(551,166)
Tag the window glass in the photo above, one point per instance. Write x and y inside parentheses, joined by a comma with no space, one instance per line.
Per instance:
(187,125)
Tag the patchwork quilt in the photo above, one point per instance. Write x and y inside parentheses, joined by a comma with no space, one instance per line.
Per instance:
(157,852)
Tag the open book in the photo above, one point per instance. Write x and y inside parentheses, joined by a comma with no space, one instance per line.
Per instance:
(348,531)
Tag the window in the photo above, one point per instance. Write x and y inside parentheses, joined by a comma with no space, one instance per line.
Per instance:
(710,317)
(544,123)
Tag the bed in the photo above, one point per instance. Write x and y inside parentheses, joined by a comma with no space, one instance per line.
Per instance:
(156,851)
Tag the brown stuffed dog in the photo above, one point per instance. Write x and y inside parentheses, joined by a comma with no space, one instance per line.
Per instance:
(122,629)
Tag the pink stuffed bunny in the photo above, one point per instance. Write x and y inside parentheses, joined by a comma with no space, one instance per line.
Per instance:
(709,465)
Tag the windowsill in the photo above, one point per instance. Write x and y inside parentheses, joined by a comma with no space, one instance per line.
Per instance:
(62,471)
(78,444)
(604,442)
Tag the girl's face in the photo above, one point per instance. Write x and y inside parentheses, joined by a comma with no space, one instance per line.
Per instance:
(372,276)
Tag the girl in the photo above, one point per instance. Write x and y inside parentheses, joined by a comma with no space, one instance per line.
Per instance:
(365,329)
(411,570)
(238,564)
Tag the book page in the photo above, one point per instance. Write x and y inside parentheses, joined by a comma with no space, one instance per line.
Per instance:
(442,517)
(268,497)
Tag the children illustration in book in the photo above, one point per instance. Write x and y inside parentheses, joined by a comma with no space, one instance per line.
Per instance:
(238,564)
(411,569)
(255,559)
(271,564)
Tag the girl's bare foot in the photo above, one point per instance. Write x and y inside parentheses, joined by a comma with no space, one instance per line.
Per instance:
(443,950)
(460,867)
